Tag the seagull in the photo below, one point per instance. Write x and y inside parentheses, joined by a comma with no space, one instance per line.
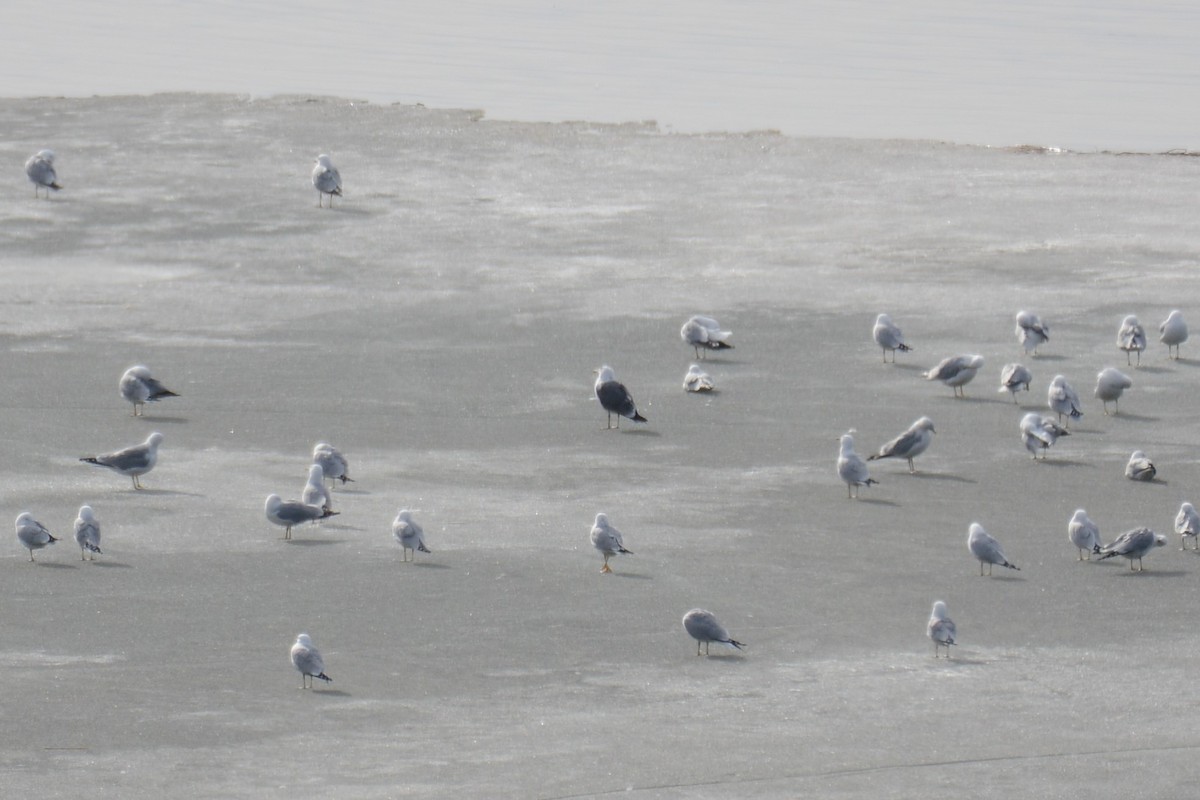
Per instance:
(607,540)
(1140,468)
(851,468)
(697,380)
(941,629)
(1187,523)
(705,332)
(32,534)
(326,180)
(1063,400)
(314,492)
(132,461)
(1131,338)
(1174,332)
(909,444)
(986,549)
(1084,534)
(955,371)
(291,513)
(40,171)
(889,337)
(1013,377)
(702,626)
(1031,331)
(308,662)
(87,533)
(333,464)
(1133,545)
(614,397)
(409,535)
(1040,433)
(139,388)
(1111,383)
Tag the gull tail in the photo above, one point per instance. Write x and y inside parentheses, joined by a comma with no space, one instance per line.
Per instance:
(736,643)
(715,344)
(92,547)
(1075,413)
(621,549)
(903,348)
(869,481)
(875,456)
(91,460)
(56,185)
(54,538)
(1096,548)
(1109,554)
(346,479)
(328,512)
(421,546)
(323,677)
(1011,566)
(637,417)
(160,394)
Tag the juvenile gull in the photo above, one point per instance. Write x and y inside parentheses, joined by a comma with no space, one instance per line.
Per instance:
(308,662)
(909,444)
(705,332)
(139,388)
(1031,331)
(1140,468)
(1039,433)
(1131,338)
(40,171)
(697,380)
(408,534)
(291,513)
(888,337)
(986,549)
(1187,523)
(87,533)
(1084,534)
(614,397)
(851,468)
(955,372)
(1111,383)
(1133,545)
(941,629)
(1013,378)
(608,540)
(32,534)
(333,464)
(702,626)
(132,461)
(326,180)
(1174,332)
(314,492)
(1063,400)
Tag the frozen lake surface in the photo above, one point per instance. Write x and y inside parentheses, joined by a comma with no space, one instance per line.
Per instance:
(440,325)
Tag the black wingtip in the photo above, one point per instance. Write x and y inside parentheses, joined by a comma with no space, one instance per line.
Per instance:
(329,512)
(89,460)
(346,479)
(161,394)
(1096,548)
(1012,566)
(874,457)
(737,644)
(323,677)
(637,417)
(903,348)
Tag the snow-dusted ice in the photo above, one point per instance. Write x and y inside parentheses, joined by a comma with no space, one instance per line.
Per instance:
(1139,467)
(697,380)
(888,337)
(289,514)
(32,534)
(1031,331)
(87,533)
(333,464)
(1084,534)
(326,180)
(986,549)
(1187,523)
(1013,378)
(138,387)
(956,372)
(1131,338)
(909,444)
(408,534)
(314,492)
(1133,545)
(1111,383)
(1173,332)
(40,171)
(308,662)
(614,397)
(1039,433)
(851,468)
(1063,400)
(608,540)
(703,334)
(702,626)
(133,462)
(941,629)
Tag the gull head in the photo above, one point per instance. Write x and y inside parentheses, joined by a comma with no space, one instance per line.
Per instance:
(601,520)
(46,155)
(304,640)
(154,439)
(939,610)
(274,501)
(86,514)
(316,474)
(605,374)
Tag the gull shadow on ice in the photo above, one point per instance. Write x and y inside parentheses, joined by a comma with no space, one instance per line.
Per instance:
(165,493)
(1046,357)
(348,491)
(910,367)
(1152,370)
(996,576)
(56,565)
(110,564)
(974,398)
(1153,573)
(430,565)
(1134,417)
(329,693)
(941,476)
(312,542)
(1191,362)
(1062,462)
(878,501)
(168,420)
(632,576)
(640,432)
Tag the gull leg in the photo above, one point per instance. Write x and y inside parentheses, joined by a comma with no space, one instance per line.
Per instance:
(31,555)
(912,469)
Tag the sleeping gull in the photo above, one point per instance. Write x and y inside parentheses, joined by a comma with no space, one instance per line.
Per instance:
(333,464)
(614,397)
(955,372)
(1174,332)
(1133,545)
(1031,331)
(132,461)
(1111,383)
(32,534)
(291,513)
(1084,534)
(87,533)
(1063,400)
(314,492)
(941,629)
(986,549)
(308,662)
(1131,338)
(408,534)
(851,468)
(697,380)
(139,388)
(607,540)
(1187,523)
(1013,378)
(40,171)
(888,337)
(702,626)
(1140,468)
(705,332)
(326,180)
(1039,433)
(909,444)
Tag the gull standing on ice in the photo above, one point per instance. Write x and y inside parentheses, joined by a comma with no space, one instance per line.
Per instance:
(1131,338)
(1013,378)
(40,171)
(326,180)
(289,514)
(1174,332)
(1140,468)
(1084,534)
(1187,523)
(333,464)
(955,372)
(1133,545)
(608,540)
(87,533)
(408,534)
(941,629)
(986,549)
(702,626)
(614,397)
(139,388)
(1031,331)
(1039,433)
(705,332)
(133,462)
(1111,383)
(314,492)
(697,380)
(909,444)
(888,337)
(1063,400)
(851,468)
(32,534)
(308,662)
